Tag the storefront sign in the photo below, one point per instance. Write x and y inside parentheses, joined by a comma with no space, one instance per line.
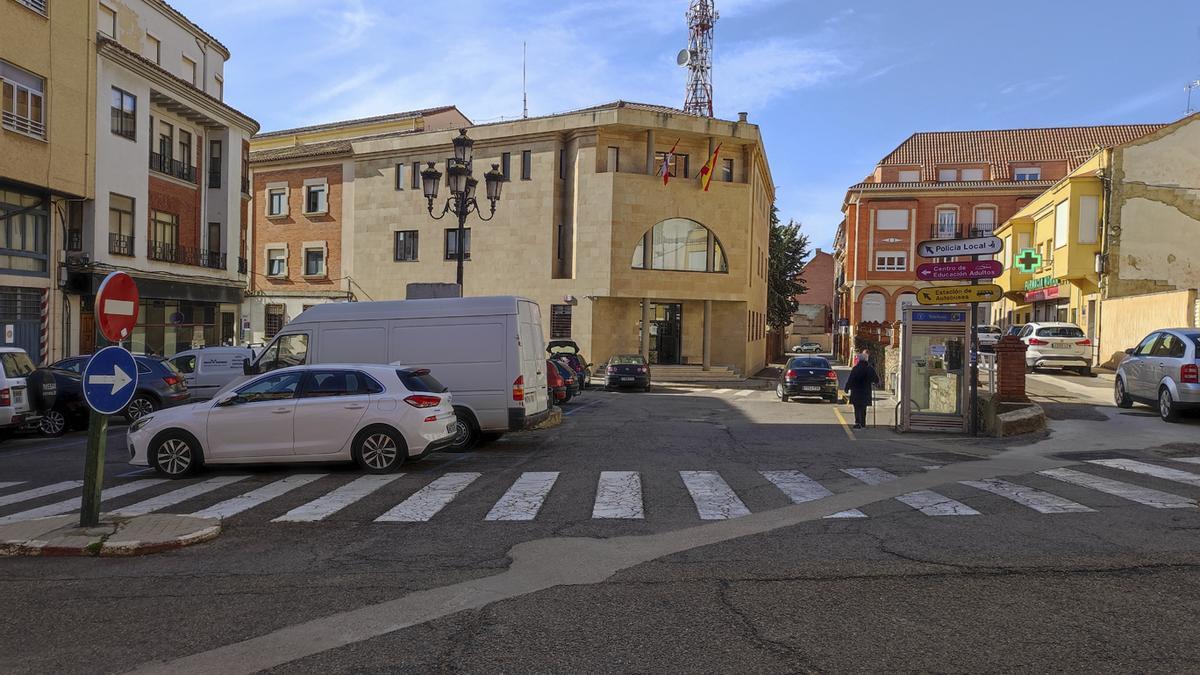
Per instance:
(941,248)
(1028,260)
(960,271)
(1046,294)
(952,295)
(1042,282)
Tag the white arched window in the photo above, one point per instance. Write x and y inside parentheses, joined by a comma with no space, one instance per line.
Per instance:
(902,301)
(874,307)
(680,244)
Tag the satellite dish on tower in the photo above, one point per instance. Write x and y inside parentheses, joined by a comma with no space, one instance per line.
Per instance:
(684,58)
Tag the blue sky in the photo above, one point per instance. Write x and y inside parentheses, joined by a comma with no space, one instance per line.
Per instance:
(834,85)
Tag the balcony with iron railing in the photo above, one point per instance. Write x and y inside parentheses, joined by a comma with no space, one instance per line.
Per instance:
(120,244)
(165,164)
(959,230)
(186,255)
(214,177)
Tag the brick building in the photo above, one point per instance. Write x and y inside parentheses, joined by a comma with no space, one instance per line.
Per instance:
(943,185)
(813,319)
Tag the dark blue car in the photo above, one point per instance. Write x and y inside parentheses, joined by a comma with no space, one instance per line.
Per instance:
(160,385)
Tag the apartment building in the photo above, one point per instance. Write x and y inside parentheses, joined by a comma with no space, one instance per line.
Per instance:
(171,189)
(618,261)
(302,214)
(1114,243)
(944,185)
(47,88)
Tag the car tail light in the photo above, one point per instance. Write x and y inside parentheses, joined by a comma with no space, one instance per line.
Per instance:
(831,375)
(431,418)
(1084,342)
(1035,342)
(792,374)
(1188,374)
(423,400)
(5,397)
(171,380)
(519,388)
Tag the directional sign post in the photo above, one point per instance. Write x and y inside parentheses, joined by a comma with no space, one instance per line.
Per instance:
(109,381)
(945,248)
(960,271)
(953,295)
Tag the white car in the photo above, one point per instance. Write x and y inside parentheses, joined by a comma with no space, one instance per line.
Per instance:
(16,408)
(988,337)
(1057,345)
(377,416)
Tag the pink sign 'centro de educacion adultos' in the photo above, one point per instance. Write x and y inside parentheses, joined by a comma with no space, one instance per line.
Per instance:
(960,271)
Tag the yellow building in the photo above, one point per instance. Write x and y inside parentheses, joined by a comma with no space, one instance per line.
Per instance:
(47,82)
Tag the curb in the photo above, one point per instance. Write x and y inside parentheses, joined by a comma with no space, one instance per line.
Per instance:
(58,537)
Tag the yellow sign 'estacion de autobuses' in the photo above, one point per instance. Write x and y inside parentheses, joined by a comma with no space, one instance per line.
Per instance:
(953,295)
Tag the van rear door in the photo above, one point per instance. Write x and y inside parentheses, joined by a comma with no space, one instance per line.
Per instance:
(532,357)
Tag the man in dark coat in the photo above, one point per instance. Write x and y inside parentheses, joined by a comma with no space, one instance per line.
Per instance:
(862,378)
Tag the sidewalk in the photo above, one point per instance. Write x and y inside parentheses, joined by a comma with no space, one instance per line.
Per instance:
(114,536)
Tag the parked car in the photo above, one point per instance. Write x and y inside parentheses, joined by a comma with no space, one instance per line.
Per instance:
(627,370)
(808,348)
(486,350)
(988,337)
(1163,370)
(570,379)
(1059,345)
(807,376)
(160,385)
(207,370)
(16,404)
(1015,330)
(376,416)
(567,351)
(556,386)
(70,410)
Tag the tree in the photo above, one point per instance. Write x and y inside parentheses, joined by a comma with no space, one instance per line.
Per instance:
(788,252)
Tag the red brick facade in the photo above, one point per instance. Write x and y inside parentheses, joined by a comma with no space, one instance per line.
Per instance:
(297,228)
(818,279)
(184,202)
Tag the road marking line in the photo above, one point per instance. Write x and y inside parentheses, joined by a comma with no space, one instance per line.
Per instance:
(1189,460)
(177,496)
(722,391)
(572,411)
(714,499)
(1165,473)
(845,427)
(40,492)
(135,472)
(619,495)
(426,502)
(11,484)
(1135,493)
(323,507)
(251,499)
(800,488)
(926,501)
(70,505)
(525,498)
(1042,502)
(744,392)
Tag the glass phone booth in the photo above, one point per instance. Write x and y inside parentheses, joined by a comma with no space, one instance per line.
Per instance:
(935,369)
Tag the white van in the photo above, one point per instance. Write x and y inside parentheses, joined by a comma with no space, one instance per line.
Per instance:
(208,369)
(487,351)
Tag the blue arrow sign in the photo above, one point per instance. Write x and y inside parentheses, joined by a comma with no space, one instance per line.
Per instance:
(109,380)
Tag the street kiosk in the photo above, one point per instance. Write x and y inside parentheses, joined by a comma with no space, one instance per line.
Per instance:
(935,369)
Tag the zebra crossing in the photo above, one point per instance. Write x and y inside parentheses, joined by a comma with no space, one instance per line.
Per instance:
(617,495)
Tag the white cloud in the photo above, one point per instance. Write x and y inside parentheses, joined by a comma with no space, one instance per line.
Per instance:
(752,76)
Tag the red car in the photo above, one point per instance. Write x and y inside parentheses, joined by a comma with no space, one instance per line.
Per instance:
(556,387)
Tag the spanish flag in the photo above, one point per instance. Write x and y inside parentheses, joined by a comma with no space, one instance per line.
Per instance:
(706,173)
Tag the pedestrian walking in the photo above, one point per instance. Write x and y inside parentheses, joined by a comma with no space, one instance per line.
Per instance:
(859,384)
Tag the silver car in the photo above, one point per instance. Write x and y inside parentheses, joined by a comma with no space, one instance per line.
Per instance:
(1162,370)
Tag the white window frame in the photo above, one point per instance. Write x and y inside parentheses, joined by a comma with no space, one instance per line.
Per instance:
(38,6)
(891,221)
(975,217)
(947,175)
(1062,224)
(195,70)
(909,176)
(323,185)
(963,175)
(100,21)
(220,84)
(1030,173)
(273,188)
(941,231)
(157,44)
(1089,219)
(282,248)
(321,246)
(891,261)
(14,120)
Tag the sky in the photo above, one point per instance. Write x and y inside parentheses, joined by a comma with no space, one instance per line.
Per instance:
(834,85)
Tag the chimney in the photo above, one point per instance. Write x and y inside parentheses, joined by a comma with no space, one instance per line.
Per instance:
(818,250)
(742,116)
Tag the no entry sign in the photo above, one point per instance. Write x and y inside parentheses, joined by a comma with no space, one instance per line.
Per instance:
(117,306)
(960,271)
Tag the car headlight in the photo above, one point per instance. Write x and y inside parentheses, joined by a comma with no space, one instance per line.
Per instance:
(140,423)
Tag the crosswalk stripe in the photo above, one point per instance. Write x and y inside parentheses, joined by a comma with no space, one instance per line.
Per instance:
(1135,493)
(744,392)
(323,507)
(426,502)
(714,499)
(800,488)
(619,495)
(1188,460)
(176,496)
(11,484)
(69,505)
(1165,473)
(926,501)
(1042,502)
(722,391)
(40,492)
(235,505)
(524,499)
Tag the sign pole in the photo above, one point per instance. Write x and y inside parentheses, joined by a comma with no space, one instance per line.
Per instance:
(93,469)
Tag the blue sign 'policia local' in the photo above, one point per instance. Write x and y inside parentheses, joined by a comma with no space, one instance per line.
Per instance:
(110,380)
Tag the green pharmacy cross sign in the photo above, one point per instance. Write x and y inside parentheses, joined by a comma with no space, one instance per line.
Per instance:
(1028,260)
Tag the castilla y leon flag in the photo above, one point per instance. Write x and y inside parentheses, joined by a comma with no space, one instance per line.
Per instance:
(668,160)
(706,173)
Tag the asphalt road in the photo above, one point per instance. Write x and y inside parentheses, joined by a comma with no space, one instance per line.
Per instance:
(1099,582)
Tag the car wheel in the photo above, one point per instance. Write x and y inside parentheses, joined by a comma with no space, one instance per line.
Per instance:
(780,393)
(379,450)
(1166,406)
(175,454)
(53,423)
(139,407)
(1120,396)
(466,431)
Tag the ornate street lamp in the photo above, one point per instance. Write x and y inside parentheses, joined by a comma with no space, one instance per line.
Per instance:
(462,184)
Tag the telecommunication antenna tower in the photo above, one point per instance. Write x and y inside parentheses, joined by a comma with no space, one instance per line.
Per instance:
(701,16)
(1190,87)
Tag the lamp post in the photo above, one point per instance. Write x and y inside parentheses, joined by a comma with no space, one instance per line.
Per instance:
(462,184)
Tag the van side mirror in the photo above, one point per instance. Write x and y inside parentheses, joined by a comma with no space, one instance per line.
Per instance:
(247,369)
